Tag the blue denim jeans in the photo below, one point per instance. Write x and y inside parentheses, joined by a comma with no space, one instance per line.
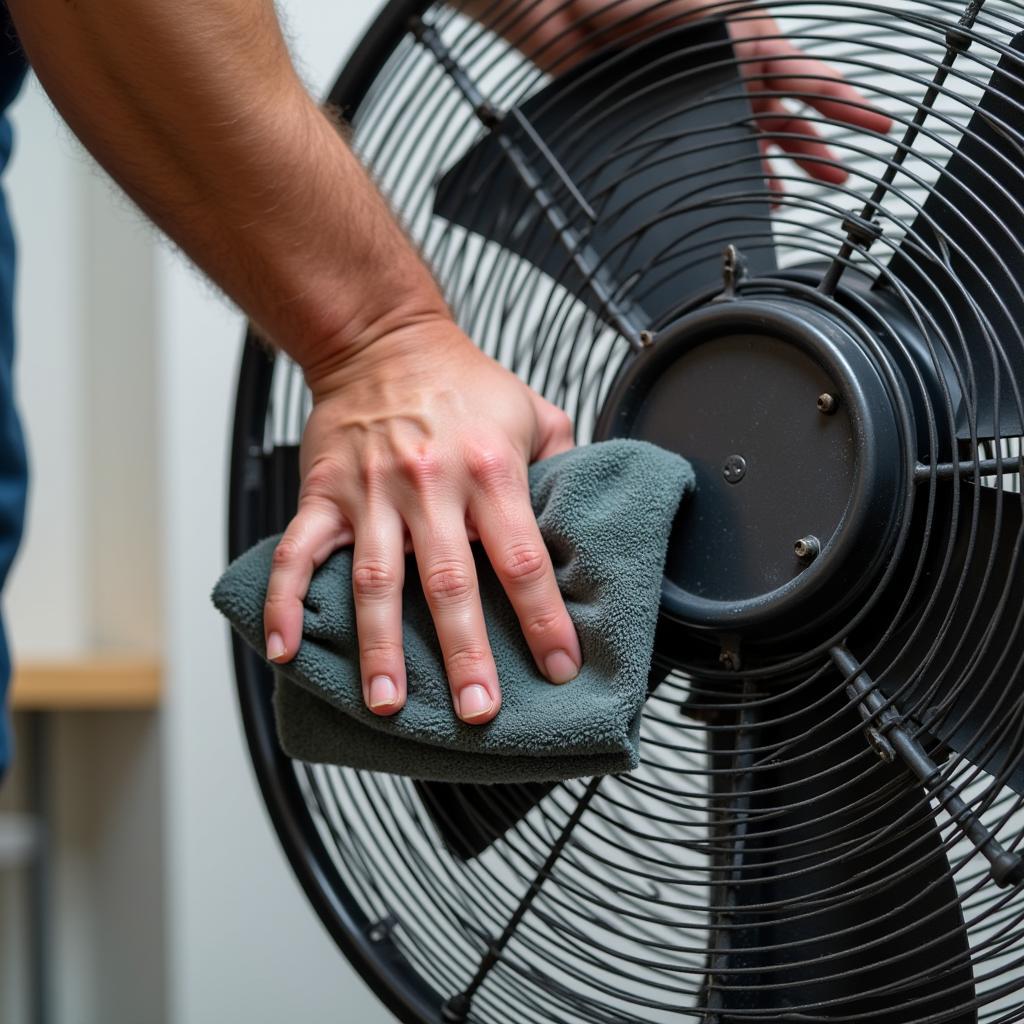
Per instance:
(13,462)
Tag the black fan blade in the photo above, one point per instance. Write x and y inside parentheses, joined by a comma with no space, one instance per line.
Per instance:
(657,139)
(834,895)
(944,246)
(470,817)
(970,694)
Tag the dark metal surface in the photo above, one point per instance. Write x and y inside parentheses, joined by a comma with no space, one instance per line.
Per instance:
(744,377)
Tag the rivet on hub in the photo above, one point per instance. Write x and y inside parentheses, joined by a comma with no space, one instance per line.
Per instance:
(807,548)
(735,469)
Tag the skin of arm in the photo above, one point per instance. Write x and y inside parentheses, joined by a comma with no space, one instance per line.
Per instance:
(195,109)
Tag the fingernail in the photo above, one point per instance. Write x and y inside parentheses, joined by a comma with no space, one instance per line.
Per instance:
(474,701)
(383,692)
(275,647)
(560,667)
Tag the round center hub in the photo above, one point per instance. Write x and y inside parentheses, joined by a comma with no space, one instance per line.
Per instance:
(788,424)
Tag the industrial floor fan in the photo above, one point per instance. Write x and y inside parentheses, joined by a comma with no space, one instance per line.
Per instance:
(828,824)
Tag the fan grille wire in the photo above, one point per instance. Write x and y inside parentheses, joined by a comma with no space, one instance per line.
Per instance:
(620,927)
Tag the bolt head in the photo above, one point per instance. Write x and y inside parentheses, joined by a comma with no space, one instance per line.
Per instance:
(729,660)
(827,403)
(807,548)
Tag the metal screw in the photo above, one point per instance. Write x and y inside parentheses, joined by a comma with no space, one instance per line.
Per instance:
(827,403)
(735,469)
(646,339)
(807,548)
(734,270)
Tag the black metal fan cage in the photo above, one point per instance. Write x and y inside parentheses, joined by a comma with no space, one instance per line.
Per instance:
(816,832)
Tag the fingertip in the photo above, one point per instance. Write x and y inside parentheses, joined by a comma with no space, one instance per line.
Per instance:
(282,630)
(560,667)
(277,650)
(475,705)
(384,696)
(879,122)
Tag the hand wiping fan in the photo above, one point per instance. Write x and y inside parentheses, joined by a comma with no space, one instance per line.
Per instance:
(828,822)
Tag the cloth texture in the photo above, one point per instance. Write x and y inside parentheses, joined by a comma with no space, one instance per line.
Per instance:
(13,460)
(605,512)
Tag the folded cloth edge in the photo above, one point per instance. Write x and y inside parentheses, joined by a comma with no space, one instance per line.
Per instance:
(380,752)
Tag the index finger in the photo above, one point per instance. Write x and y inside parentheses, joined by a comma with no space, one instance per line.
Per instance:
(513,542)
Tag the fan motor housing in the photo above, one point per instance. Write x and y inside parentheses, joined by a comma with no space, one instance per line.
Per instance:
(795,442)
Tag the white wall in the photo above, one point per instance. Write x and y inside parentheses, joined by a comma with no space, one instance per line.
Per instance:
(45,189)
(85,577)
(244,945)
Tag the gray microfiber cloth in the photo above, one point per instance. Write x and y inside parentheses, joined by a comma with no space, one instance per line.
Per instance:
(605,512)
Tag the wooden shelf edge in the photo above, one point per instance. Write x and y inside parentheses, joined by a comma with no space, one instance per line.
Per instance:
(87,684)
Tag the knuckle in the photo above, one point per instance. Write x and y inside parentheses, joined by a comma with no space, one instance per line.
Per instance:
(320,481)
(277,605)
(372,473)
(380,650)
(541,624)
(422,467)
(448,583)
(466,659)
(287,554)
(523,563)
(488,467)
(373,579)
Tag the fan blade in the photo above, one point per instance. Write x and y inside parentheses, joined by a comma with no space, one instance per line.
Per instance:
(969,205)
(657,140)
(470,817)
(970,694)
(835,897)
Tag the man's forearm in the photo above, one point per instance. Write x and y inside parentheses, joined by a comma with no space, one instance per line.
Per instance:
(196,110)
